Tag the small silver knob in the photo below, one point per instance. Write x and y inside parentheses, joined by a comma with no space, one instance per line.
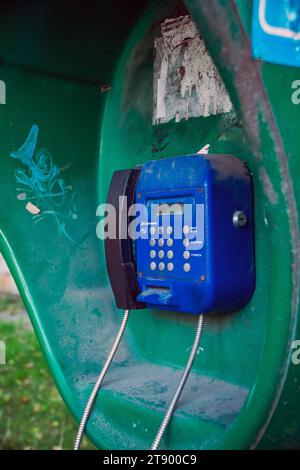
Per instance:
(239,219)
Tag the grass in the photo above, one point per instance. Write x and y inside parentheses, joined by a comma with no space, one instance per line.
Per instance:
(32,414)
(11,304)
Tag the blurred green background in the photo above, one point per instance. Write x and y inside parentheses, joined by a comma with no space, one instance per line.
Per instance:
(32,414)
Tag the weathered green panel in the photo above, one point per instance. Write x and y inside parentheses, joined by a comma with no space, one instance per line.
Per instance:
(243,372)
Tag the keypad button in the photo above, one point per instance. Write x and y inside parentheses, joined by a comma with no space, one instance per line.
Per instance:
(161,266)
(187,267)
(186,229)
(170,266)
(152,254)
(170,242)
(160,230)
(161,242)
(152,242)
(152,230)
(161,254)
(186,242)
(170,254)
(169,230)
(186,254)
(152,266)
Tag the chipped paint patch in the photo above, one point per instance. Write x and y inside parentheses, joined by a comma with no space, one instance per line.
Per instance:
(2,92)
(34,210)
(21,196)
(105,88)
(186,82)
(204,150)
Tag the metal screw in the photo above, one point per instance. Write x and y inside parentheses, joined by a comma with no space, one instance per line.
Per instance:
(239,219)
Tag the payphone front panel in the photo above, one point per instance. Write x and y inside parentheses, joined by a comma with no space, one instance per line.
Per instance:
(190,243)
(195,249)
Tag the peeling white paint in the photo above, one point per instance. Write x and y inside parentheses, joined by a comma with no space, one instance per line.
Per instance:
(204,150)
(34,210)
(2,92)
(186,82)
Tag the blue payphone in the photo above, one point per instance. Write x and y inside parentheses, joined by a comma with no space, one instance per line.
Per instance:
(193,242)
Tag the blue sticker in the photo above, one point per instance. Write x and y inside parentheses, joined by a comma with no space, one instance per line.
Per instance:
(276,31)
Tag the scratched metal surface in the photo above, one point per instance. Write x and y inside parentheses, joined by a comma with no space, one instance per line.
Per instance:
(85,118)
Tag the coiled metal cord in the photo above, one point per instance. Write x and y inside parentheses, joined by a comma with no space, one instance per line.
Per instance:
(180,387)
(92,398)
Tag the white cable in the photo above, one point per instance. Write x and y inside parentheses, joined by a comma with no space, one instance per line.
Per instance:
(180,387)
(93,395)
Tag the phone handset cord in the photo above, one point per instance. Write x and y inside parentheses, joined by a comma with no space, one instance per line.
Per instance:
(180,387)
(171,409)
(93,395)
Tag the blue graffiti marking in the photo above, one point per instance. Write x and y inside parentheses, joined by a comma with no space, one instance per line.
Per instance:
(41,181)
